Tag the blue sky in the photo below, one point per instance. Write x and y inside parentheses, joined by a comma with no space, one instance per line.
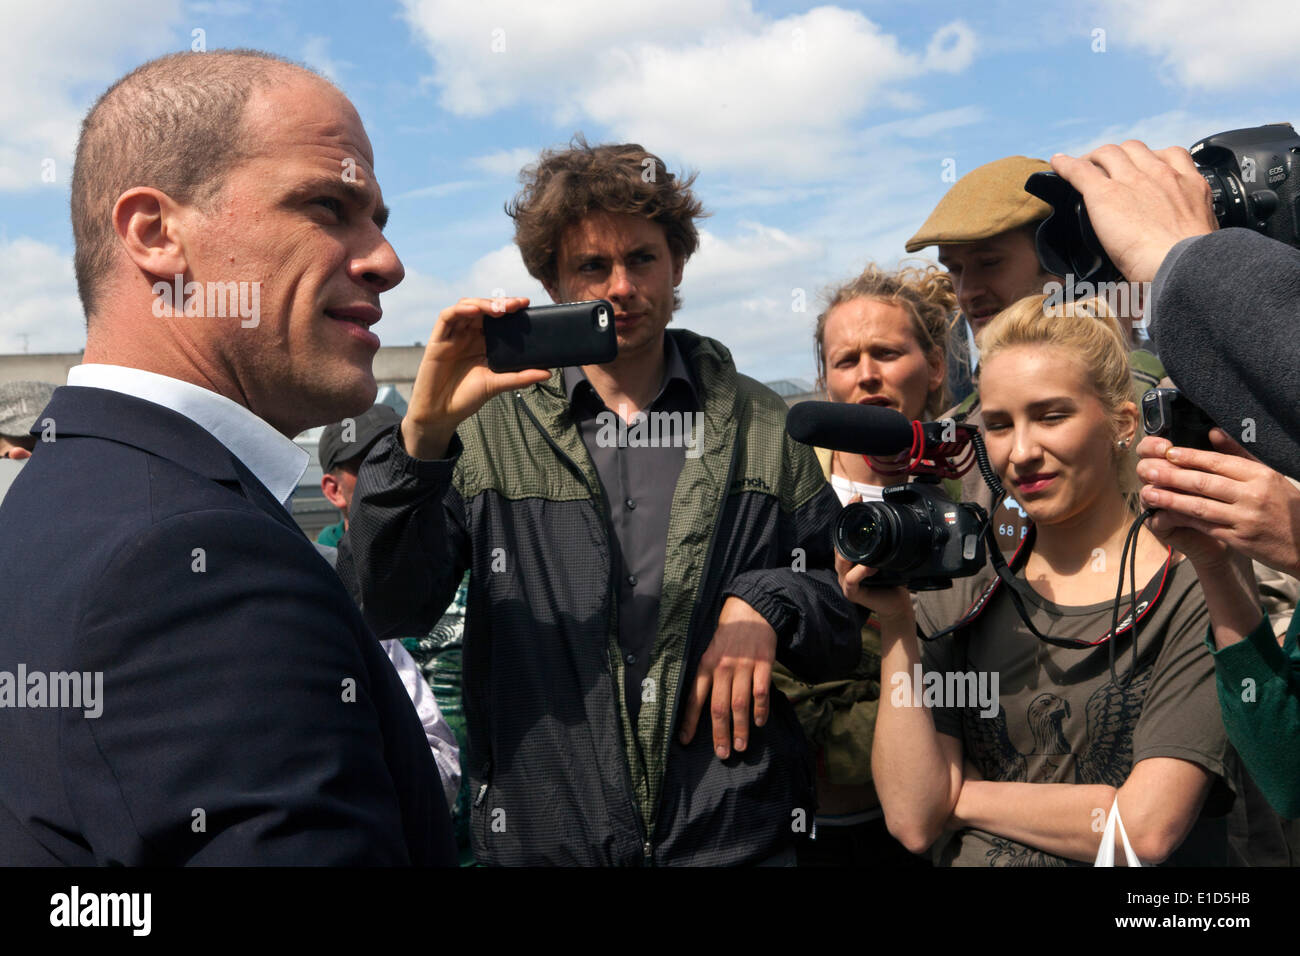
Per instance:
(820,133)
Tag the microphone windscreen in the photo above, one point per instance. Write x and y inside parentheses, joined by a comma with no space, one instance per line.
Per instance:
(857,429)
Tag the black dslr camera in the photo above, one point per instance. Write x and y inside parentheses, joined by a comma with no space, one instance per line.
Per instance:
(1250,172)
(1169,414)
(915,537)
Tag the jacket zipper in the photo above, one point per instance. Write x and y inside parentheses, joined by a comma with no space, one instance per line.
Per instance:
(599,496)
(483,787)
(486,776)
(706,586)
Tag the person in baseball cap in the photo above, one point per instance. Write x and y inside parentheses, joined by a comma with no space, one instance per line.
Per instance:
(342,448)
(21,403)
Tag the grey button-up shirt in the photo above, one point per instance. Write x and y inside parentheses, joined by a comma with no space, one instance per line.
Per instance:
(639,480)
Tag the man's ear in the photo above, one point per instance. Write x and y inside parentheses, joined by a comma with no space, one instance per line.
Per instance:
(329,486)
(679,265)
(148,223)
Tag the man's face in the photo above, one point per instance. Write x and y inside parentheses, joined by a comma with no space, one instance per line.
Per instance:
(991,274)
(626,260)
(302,217)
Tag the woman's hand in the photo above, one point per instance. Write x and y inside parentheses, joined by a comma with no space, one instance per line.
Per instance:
(892,605)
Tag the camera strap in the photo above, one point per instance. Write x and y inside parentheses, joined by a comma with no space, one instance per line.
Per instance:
(1144,604)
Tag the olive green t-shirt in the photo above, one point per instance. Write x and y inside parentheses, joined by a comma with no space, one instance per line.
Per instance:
(1053,715)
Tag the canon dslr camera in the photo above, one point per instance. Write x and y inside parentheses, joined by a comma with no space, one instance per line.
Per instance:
(1253,179)
(916,537)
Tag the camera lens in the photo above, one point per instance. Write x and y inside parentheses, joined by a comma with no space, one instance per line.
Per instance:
(1153,419)
(862,533)
(887,535)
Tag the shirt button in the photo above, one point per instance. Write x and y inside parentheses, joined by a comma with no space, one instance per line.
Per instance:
(629,659)
(631,580)
(630,505)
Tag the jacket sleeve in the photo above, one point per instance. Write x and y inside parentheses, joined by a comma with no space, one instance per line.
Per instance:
(406,548)
(1259,695)
(1223,318)
(818,629)
(246,715)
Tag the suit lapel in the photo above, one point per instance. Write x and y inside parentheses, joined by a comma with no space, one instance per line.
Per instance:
(101,413)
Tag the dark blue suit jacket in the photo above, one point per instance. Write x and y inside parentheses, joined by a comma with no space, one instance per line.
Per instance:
(249,716)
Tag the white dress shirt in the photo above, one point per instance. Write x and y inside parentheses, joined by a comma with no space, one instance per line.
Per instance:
(277,462)
(441,738)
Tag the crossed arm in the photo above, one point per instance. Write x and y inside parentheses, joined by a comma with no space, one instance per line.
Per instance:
(925,787)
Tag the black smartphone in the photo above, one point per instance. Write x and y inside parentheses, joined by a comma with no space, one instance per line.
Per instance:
(1169,414)
(551,336)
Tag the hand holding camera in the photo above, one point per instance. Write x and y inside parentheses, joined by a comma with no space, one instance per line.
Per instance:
(861,585)
(480,348)
(1214,502)
(1140,203)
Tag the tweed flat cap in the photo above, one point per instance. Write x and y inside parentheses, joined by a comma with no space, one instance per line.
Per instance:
(20,404)
(986,201)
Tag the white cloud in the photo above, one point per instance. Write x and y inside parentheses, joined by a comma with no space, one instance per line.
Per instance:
(40,311)
(316,54)
(753,256)
(504,162)
(493,54)
(707,79)
(411,309)
(1207,45)
(47,64)
(439,190)
(1172,128)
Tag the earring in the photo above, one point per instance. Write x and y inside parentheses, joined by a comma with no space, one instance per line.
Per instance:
(1123,444)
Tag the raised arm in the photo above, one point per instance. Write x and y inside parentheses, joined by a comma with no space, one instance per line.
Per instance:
(404,551)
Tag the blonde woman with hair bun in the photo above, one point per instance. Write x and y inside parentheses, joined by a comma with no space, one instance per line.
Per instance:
(1022,746)
(881,340)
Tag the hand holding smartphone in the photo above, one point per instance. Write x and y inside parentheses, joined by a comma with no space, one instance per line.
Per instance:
(551,336)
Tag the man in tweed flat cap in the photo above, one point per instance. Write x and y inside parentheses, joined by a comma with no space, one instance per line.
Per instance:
(20,405)
(984,228)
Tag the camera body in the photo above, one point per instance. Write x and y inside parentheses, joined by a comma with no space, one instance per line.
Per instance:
(915,537)
(1252,177)
(1167,413)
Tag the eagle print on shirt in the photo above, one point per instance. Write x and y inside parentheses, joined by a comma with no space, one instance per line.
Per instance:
(1110,715)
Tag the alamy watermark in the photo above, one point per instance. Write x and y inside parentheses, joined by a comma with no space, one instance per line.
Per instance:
(129,910)
(651,430)
(76,689)
(212,300)
(1125,300)
(945,689)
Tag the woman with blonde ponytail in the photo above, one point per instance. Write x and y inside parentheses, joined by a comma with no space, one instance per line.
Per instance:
(1024,744)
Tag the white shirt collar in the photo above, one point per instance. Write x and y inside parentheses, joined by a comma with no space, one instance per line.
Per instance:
(974,349)
(277,462)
